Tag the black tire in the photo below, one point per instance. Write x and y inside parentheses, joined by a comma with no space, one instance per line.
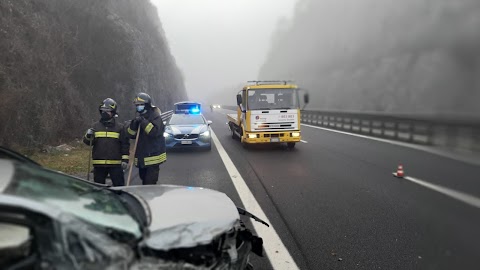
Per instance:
(232,129)
(290,145)
(244,144)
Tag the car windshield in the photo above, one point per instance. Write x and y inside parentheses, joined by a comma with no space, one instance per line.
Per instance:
(259,99)
(186,119)
(96,205)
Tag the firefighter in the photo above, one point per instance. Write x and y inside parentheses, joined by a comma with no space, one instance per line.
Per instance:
(110,145)
(151,151)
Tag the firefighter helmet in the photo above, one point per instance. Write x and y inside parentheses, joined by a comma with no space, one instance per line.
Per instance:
(108,105)
(142,98)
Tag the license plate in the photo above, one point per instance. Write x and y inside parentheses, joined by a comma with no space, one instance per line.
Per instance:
(274,140)
(186,142)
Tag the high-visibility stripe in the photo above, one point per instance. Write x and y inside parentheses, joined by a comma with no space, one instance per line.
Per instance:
(125,157)
(148,128)
(153,160)
(156,159)
(130,131)
(107,134)
(106,162)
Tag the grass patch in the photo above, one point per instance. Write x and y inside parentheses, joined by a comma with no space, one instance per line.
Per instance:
(74,161)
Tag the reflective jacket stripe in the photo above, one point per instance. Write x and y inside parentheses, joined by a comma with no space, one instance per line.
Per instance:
(153,160)
(148,128)
(130,131)
(106,134)
(106,162)
(125,157)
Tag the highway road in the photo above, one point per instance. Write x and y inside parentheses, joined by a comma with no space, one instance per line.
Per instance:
(335,205)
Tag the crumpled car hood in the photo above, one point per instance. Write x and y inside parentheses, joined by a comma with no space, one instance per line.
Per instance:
(186,129)
(184,217)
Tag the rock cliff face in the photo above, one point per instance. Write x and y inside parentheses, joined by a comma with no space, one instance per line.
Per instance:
(417,56)
(60,58)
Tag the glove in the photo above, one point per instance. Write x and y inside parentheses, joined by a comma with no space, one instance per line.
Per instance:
(136,122)
(124,165)
(90,132)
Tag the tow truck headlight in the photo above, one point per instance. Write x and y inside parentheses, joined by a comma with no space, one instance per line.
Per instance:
(295,134)
(252,136)
(166,135)
(205,134)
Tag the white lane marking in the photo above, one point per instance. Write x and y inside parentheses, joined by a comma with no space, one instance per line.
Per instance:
(463,197)
(431,150)
(303,141)
(276,251)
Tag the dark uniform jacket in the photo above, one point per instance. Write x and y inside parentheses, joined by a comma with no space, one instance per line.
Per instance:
(111,143)
(151,143)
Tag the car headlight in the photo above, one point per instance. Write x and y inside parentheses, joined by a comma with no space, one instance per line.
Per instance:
(205,134)
(295,134)
(252,136)
(166,135)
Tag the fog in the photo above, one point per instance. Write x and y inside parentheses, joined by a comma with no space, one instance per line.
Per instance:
(420,56)
(219,44)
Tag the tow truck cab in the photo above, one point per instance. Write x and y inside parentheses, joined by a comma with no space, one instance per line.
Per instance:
(267,112)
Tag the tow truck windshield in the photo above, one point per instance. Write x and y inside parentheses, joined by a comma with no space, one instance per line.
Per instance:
(271,99)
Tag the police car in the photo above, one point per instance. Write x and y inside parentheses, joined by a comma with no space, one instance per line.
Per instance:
(188,128)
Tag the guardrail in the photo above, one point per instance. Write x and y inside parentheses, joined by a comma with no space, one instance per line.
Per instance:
(461,133)
(451,132)
(229,107)
(166,115)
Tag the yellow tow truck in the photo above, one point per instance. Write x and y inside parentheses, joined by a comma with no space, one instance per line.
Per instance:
(267,112)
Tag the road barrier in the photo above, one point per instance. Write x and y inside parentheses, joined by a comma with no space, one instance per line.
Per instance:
(445,131)
(462,133)
(166,115)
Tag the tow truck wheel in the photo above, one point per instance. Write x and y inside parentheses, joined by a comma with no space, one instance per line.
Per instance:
(244,144)
(290,145)
(232,129)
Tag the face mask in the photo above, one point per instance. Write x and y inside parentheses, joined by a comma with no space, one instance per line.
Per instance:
(105,116)
(140,108)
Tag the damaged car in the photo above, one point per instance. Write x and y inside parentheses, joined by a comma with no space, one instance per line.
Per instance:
(49,220)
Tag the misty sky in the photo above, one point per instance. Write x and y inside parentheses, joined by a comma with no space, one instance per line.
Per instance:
(220,43)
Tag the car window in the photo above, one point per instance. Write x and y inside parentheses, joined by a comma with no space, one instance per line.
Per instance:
(15,243)
(186,119)
(96,205)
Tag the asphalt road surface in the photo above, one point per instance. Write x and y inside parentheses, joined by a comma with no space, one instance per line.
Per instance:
(335,204)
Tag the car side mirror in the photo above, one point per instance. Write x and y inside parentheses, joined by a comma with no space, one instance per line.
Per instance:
(209,122)
(306,98)
(239,99)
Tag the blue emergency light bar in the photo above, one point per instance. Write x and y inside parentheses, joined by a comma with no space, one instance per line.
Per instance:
(187,107)
(195,110)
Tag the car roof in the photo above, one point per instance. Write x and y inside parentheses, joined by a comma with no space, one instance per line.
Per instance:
(189,114)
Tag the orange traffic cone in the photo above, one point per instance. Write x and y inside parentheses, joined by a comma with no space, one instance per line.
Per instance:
(399,173)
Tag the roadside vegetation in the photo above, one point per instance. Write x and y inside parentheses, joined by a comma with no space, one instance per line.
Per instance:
(69,158)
